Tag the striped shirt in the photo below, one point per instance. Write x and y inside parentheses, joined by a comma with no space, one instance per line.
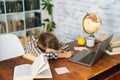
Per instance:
(32,47)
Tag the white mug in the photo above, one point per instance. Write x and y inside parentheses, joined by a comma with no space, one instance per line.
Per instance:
(90,41)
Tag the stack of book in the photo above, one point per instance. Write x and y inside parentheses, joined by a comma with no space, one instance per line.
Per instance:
(114,48)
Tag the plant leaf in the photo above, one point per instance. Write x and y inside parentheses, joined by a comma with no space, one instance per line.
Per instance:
(46,20)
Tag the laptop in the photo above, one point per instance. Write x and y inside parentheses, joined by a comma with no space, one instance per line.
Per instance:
(88,57)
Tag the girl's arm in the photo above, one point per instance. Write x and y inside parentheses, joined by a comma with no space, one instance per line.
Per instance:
(65,54)
(33,48)
(60,54)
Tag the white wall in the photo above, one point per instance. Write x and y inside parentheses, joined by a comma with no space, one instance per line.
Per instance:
(68,15)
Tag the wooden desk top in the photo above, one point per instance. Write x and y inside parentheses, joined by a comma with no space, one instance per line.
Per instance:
(7,67)
(77,71)
(81,72)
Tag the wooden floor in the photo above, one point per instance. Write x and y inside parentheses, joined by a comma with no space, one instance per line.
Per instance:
(112,74)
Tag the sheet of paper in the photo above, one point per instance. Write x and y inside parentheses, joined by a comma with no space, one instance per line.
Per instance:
(61,70)
(80,48)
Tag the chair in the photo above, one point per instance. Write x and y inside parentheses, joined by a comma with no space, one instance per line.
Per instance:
(10,46)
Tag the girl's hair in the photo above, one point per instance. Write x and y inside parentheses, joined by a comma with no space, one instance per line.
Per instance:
(48,40)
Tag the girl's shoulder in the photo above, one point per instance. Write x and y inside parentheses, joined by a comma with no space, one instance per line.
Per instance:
(34,40)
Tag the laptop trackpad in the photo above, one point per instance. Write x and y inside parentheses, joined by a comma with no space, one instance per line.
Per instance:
(80,55)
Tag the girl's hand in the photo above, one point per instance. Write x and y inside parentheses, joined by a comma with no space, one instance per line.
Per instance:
(66,54)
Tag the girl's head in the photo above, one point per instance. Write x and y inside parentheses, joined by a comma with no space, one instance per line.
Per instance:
(48,40)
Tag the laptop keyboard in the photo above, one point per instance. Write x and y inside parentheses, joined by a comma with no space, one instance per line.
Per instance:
(88,58)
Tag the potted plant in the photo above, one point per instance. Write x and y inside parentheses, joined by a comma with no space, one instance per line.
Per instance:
(48,23)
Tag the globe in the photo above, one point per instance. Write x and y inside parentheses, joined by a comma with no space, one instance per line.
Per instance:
(91,23)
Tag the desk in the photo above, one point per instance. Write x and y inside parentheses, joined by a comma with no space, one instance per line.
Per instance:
(77,71)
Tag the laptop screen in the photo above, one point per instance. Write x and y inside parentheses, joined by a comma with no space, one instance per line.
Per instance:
(101,50)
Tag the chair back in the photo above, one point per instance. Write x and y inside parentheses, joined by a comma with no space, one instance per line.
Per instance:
(10,46)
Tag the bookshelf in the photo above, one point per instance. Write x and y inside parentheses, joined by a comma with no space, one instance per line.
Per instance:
(20,17)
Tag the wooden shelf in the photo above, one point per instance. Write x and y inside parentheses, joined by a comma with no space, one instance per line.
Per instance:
(20,17)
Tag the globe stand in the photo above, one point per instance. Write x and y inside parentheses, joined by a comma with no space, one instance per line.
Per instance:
(92,35)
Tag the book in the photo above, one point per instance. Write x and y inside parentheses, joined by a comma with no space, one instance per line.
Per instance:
(38,69)
(115,48)
(113,52)
(30,56)
(115,44)
(9,25)
(2,27)
(114,41)
(14,25)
